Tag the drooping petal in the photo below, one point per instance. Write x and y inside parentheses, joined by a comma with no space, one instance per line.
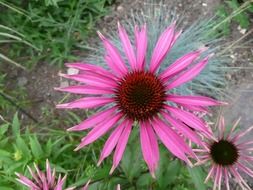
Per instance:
(190,119)
(127,46)
(245,169)
(162,47)
(141,41)
(193,100)
(93,120)
(114,54)
(188,75)
(85,89)
(149,147)
(120,148)
(210,173)
(87,102)
(171,140)
(99,130)
(180,64)
(185,130)
(111,142)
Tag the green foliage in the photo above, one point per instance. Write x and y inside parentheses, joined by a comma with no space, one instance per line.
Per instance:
(54,26)
(20,146)
(233,11)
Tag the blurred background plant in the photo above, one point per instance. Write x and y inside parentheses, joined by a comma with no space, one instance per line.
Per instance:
(55,27)
(231,12)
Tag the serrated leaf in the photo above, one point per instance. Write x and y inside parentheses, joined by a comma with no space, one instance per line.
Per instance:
(23,147)
(16,125)
(198,177)
(36,147)
(4,129)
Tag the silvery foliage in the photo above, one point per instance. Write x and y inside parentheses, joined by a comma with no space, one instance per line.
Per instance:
(211,82)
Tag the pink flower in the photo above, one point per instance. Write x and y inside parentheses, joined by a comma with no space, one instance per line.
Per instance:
(43,181)
(229,155)
(139,93)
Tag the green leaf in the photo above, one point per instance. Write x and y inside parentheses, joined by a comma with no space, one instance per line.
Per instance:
(22,146)
(241,18)
(16,125)
(36,147)
(3,129)
(5,188)
(198,177)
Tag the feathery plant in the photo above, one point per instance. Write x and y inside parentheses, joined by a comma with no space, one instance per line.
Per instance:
(212,80)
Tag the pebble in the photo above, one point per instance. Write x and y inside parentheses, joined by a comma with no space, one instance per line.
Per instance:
(64,84)
(72,71)
(204,4)
(120,8)
(241,30)
(22,81)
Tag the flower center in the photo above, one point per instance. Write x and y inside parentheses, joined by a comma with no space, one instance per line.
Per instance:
(224,153)
(140,95)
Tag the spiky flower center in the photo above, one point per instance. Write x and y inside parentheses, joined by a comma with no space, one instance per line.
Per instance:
(140,95)
(224,153)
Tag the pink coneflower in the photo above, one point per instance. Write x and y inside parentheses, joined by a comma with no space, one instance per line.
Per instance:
(41,180)
(139,93)
(229,155)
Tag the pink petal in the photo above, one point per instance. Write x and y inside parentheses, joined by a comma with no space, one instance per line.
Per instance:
(120,148)
(180,64)
(192,100)
(111,142)
(221,126)
(245,169)
(149,147)
(190,119)
(85,89)
(195,108)
(185,130)
(162,47)
(91,78)
(170,139)
(176,36)
(217,176)
(210,173)
(189,74)
(141,46)
(89,67)
(239,178)
(93,120)
(86,185)
(87,102)
(114,55)
(27,182)
(99,130)
(49,174)
(128,49)
(115,69)
(226,178)
(34,176)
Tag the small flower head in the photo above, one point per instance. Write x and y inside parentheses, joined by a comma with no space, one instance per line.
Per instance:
(41,180)
(229,155)
(134,90)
